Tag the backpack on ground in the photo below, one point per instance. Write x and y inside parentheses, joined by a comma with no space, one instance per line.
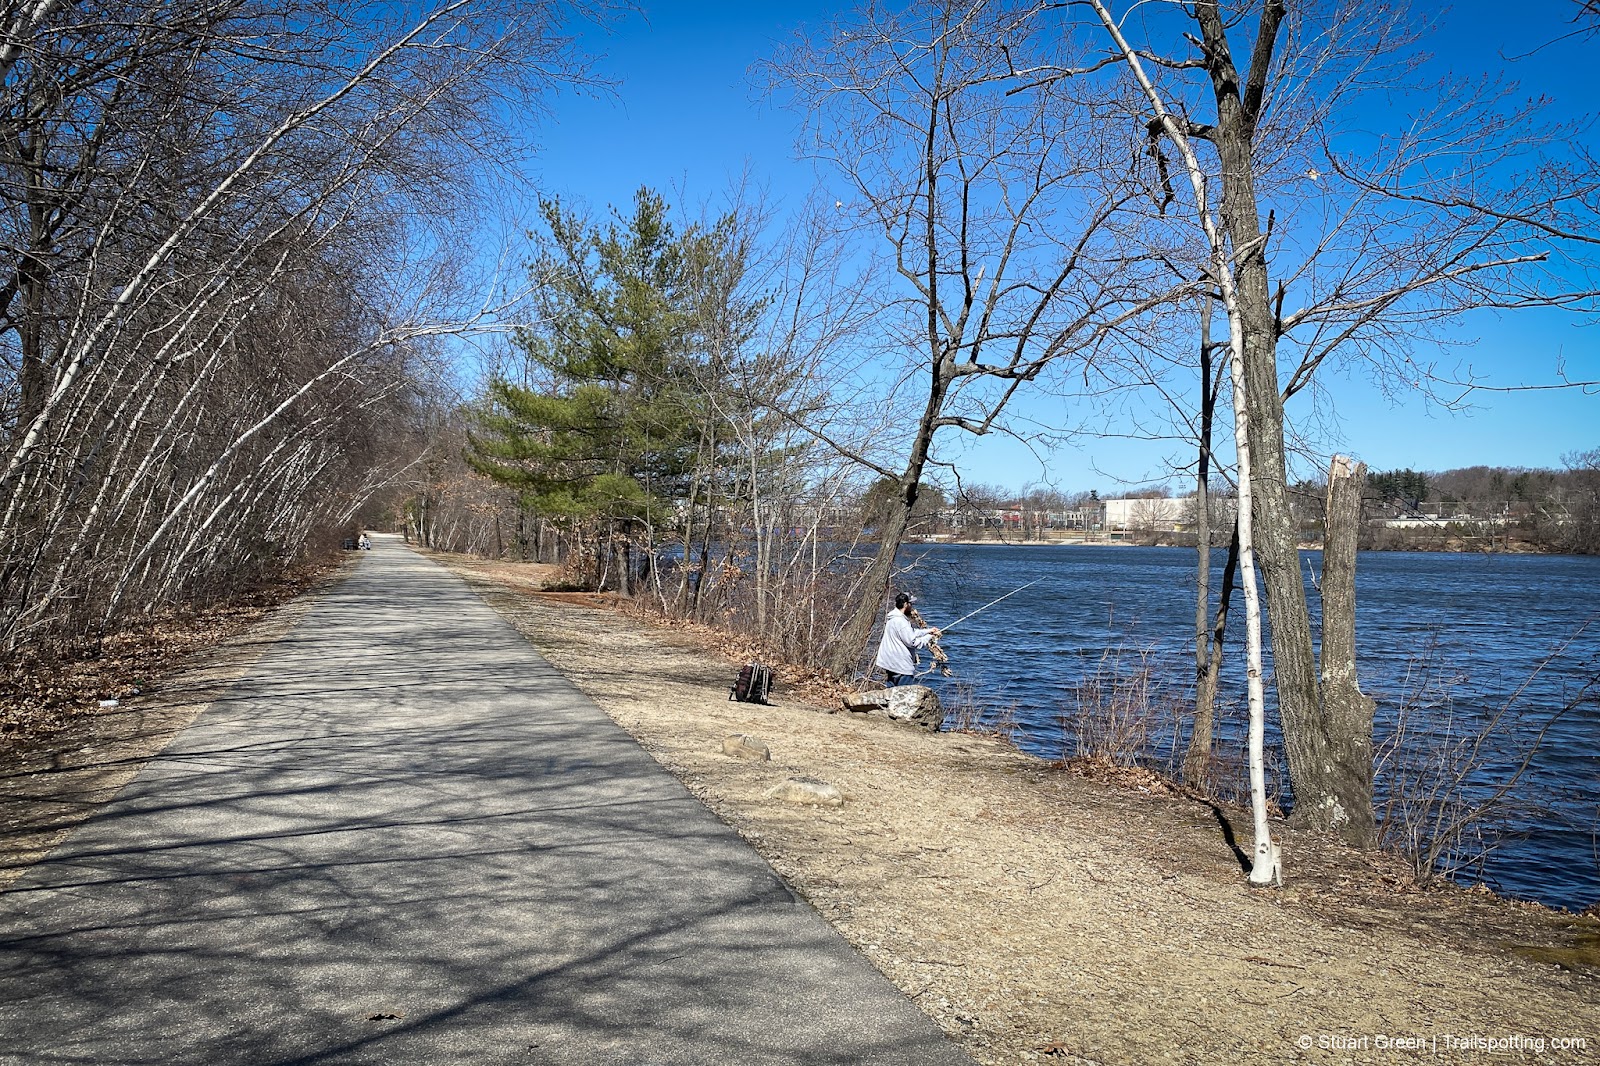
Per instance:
(754,682)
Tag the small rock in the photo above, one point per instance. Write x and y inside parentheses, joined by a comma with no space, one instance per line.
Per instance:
(109,703)
(740,746)
(806,790)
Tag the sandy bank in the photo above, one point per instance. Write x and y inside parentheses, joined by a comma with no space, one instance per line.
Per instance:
(1036,915)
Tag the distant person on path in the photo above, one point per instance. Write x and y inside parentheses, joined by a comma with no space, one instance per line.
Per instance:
(897,654)
(366,542)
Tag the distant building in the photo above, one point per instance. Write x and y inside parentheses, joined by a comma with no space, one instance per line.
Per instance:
(1162,514)
(1015,518)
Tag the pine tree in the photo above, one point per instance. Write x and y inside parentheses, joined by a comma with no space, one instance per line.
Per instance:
(616,431)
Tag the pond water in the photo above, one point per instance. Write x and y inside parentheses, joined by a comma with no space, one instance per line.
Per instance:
(1446,643)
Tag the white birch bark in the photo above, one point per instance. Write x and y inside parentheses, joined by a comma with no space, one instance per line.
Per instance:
(1266,863)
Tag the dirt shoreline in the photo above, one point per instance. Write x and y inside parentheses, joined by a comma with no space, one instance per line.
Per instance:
(1039,916)
(1033,914)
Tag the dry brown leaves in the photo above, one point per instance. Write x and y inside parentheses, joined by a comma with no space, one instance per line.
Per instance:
(45,691)
(1103,769)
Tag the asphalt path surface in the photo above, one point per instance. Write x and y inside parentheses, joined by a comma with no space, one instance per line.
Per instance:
(404,838)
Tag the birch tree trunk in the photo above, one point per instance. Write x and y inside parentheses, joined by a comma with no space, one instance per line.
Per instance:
(189,284)
(1266,865)
(1310,747)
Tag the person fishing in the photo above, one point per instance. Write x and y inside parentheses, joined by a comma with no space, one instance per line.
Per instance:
(897,653)
(904,632)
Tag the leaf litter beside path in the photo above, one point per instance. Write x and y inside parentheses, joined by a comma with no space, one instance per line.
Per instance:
(1043,915)
(74,730)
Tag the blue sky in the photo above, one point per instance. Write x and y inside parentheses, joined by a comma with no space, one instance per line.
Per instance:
(687,116)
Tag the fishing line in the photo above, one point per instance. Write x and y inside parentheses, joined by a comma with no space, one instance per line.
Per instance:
(985,607)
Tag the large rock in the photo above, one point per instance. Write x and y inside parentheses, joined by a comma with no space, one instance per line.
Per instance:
(917,704)
(867,701)
(740,746)
(806,791)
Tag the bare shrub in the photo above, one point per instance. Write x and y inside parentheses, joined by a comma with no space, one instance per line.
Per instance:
(1594,854)
(1454,783)
(1224,776)
(966,712)
(1120,710)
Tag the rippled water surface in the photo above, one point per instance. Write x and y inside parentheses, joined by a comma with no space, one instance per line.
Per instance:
(1458,635)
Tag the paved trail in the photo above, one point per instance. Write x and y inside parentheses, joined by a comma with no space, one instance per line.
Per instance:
(404,838)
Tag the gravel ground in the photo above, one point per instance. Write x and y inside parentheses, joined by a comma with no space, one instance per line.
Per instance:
(1037,915)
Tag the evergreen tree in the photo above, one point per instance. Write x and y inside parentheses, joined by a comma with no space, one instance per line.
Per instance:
(618,428)
(1408,487)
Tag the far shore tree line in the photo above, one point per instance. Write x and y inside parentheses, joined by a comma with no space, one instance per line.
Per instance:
(232,322)
(1478,508)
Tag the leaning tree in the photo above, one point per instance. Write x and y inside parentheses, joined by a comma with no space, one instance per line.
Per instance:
(230,232)
(997,217)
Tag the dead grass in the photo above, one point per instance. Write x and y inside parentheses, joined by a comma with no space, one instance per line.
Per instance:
(1088,914)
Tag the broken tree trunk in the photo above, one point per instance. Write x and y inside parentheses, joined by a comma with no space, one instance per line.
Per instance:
(1347,711)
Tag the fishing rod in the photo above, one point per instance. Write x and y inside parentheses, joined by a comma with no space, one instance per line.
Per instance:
(985,607)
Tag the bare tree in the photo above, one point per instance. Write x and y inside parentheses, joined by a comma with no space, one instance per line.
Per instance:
(1587,17)
(781,408)
(1581,530)
(195,340)
(1343,247)
(1456,779)
(995,215)
(1267,863)
(1210,627)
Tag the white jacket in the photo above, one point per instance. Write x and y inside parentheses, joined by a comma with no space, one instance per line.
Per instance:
(897,652)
